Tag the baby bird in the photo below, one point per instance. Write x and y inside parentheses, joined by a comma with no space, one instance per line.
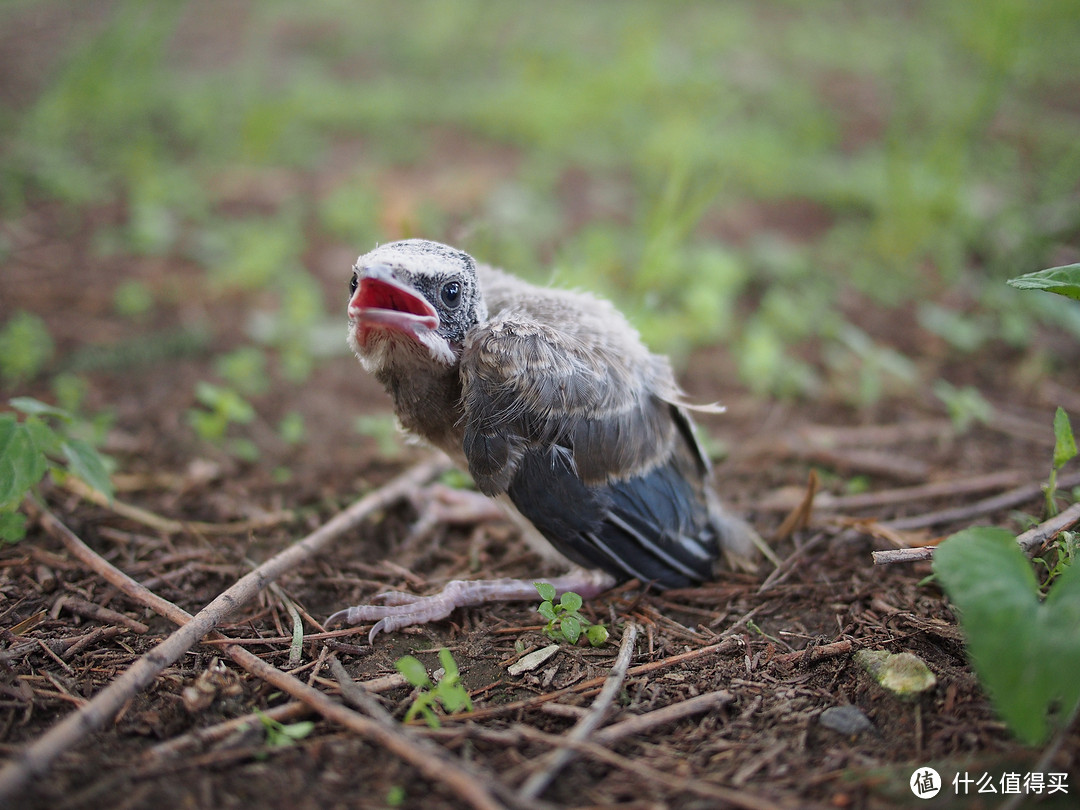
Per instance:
(550,401)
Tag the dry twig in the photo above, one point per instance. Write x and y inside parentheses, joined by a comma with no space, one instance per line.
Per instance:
(169,526)
(1006,500)
(37,757)
(640,723)
(725,645)
(559,758)
(466,786)
(1030,541)
(428,757)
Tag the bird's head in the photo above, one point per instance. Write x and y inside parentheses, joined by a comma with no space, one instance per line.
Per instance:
(411,302)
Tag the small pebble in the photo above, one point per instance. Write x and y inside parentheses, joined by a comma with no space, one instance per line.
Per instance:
(529,662)
(847,720)
(903,675)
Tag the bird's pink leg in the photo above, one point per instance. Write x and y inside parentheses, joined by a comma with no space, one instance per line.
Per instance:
(403,609)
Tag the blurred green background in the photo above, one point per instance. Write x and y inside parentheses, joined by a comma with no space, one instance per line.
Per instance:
(823,187)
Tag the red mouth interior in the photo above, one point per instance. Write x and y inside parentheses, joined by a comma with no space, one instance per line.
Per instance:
(377,294)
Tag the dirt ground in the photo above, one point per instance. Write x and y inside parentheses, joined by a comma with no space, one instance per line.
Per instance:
(763,744)
(773,648)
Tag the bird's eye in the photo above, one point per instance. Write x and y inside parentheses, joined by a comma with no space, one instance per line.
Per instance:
(354,282)
(451,294)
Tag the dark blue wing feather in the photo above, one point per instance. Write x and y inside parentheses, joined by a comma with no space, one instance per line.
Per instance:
(654,526)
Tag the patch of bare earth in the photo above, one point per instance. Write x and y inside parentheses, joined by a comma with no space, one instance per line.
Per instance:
(763,654)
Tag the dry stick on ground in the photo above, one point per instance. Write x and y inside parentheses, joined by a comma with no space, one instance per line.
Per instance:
(1030,541)
(558,759)
(168,525)
(814,653)
(636,767)
(35,759)
(439,763)
(172,748)
(1006,500)
(725,645)
(465,785)
(443,770)
(826,502)
(640,723)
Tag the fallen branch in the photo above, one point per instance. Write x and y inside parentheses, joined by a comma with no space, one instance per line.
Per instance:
(826,502)
(1034,539)
(36,758)
(1030,541)
(815,652)
(1006,500)
(168,525)
(558,759)
(640,723)
(428,757)
(466,786)
(725,645)
(172,748)
(902,555)
(636,767)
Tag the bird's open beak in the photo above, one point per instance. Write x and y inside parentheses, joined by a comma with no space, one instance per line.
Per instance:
(382,302)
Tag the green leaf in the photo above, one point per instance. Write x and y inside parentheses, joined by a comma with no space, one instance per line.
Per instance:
(413,671)
(297,731)
(547,611)
(1025,652)
(597,635)
(1063,280)
(455,699)
(449,665)
(22,463)
(25,347)
(12,527)
(571,628)
(571,601)
(35,407)
(88,465)
(1064,443)
(546,591)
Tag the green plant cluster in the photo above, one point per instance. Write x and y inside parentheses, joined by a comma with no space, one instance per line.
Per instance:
(44,440)
(564,620)
(448,692)
(1022,634)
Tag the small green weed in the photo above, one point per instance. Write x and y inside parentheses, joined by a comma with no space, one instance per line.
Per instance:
(279,735)
(1064,451)
(45,440)
(25,347)
(448,692)
(564,620)
(222,407)
(966,406)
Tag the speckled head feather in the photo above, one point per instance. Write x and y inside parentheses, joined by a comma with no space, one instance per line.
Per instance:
(410,299)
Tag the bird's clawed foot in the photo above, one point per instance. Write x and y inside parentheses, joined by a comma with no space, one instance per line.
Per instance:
(404,610)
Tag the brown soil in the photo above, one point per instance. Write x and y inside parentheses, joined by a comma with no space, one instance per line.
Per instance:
(764,747)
